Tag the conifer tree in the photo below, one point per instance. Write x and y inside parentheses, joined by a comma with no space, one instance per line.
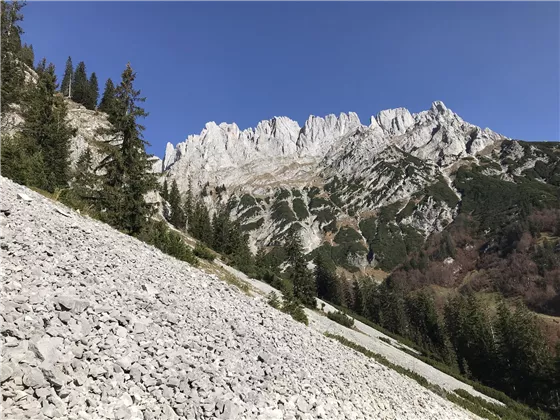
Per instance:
(165,191)
(68,75)
(221,231)
(523,356)
(201,227)
(325,279)
(188,206)
(80,84)
(93,92)
(177,213)
(305,289)
(392,309)
(128,175)
(11,69)
(27,55)
(46,131)
(107,101)
(425,327)
(358,299)
(85,180)
(470,334)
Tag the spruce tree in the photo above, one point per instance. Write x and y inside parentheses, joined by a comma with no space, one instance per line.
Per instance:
(84,184)
(165,191)
(45,128)
(177,213)
(358,299)
(325,279)
(523,356)
(108,99)
(27,55)
(128,175)
(80,84)
(11,68)
(68,75)
(188,206)
(305,289)
(93,92)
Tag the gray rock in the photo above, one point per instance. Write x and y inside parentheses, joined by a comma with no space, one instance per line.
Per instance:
(34,378)
(47,348)
(7,372)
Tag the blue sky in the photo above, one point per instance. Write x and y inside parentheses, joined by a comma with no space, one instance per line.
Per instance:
(495,64)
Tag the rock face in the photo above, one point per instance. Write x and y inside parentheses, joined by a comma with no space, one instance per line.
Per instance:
(97,325)
(248,159)
(355,169)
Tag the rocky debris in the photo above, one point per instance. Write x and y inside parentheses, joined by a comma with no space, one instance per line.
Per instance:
(97,325)
(24,197)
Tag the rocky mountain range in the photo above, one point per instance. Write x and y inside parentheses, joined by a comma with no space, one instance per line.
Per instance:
(341,180)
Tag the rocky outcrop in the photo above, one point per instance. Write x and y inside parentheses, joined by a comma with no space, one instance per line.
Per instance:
(225,155)
(397,156)
(127,332)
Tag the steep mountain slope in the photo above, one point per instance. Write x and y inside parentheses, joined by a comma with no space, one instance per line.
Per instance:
(97,324)
(332,171)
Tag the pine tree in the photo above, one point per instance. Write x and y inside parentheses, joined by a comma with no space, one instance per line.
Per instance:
(108,99)
(93,92)
(523,356)
(305,289)
(188,206)
(221,230)
(425,326)
(177,213)
(201,227)
(27,55)
(470,333)
(46,132)
(11,69)
(392,308)
(80,84)
(165,191)
(85,180)
(358,299)
(325,278)
(128,175)
(68,75)
(372,301)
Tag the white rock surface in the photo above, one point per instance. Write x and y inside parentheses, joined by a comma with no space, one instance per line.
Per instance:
(279,151)
(97,325)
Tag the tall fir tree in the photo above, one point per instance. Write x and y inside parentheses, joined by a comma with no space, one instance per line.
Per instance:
(470,333)
(358,298)
(11,68)
(108,99)
(46,128)
(27,55)
(65,87)
(303,280)
(93,92)
(85,180)
(523,357)
(128,175)
(188,205)
(165,191)
(177,214)
(80,84)
(325,279)
(201,226)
